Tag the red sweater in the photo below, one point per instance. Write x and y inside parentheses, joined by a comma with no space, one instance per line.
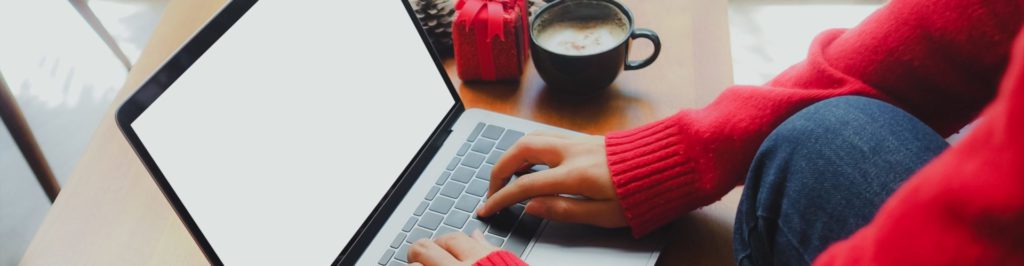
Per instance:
(946,62)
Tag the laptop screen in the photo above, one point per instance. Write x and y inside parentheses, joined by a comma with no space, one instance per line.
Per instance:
(282,138)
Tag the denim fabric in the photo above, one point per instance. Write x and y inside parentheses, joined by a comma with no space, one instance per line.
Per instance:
(823,174)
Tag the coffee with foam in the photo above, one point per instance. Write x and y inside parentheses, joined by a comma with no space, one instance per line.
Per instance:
(583,45)
(582,37)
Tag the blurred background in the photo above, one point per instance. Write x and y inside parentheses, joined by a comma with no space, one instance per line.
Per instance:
(64,61)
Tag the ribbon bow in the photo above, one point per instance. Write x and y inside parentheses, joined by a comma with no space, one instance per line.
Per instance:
(493,12)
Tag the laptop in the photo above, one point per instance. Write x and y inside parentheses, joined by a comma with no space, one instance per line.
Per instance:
(327,132)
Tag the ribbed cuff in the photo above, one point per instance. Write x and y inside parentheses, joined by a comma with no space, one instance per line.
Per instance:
(653,178)
(500,257)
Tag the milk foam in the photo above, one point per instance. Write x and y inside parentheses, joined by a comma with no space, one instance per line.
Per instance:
(582,37)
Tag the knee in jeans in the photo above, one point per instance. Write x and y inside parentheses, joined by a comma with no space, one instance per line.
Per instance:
(831,119)
(826,129)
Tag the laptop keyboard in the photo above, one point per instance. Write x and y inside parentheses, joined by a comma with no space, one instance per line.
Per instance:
(451,203)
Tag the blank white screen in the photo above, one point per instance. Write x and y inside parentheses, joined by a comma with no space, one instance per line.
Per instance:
(282,138)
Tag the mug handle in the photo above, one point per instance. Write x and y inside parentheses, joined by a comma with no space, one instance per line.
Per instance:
(646,34)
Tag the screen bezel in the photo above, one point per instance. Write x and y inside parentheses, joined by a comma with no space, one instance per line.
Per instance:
(178,63)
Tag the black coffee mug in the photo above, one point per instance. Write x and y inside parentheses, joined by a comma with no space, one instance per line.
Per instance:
(590,71)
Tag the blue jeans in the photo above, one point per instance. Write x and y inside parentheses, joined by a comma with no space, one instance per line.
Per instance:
(822,174)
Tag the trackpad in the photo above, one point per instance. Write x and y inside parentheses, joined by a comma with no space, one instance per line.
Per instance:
(560,243)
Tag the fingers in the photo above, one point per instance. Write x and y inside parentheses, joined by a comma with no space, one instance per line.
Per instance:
(479,236)
(463,247)
(427,252)
(543,183)
(531,149)
(602,213)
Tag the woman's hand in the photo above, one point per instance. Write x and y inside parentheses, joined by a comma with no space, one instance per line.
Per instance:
(451,249)
(577,167)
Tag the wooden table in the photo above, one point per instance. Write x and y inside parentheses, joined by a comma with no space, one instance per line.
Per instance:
(110,212)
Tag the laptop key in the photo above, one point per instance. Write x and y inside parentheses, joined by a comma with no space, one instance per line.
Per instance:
(476,131)
(467,204)
(477,188)
(456,219)
(453,164)
(510,137)
(419,209)
(496,241)
(483,146)
(473,160)
(403,253)
(433,192)
(453,190)
(492,132)
(387,257)
(430,221)
(517,209)
(463,149)
(444,177)
(396,263)
(417,234)
(472,225)
(484,172)
(463,174)
(495,155)
(500,224)
(539,167)
(409,224)
(442,205)
(522,234)
(398,240)
(444,230)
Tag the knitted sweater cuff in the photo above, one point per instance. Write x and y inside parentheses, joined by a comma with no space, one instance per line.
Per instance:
(500,258)
(653,178)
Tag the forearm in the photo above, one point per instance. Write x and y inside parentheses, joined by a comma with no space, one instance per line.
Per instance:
(939,60)
(928,57)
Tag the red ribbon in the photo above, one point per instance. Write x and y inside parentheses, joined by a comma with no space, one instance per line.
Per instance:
(487,17)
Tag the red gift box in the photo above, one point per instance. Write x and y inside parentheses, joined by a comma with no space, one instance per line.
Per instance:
(490,39)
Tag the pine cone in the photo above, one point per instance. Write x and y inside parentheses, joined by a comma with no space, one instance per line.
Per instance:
(436,17)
